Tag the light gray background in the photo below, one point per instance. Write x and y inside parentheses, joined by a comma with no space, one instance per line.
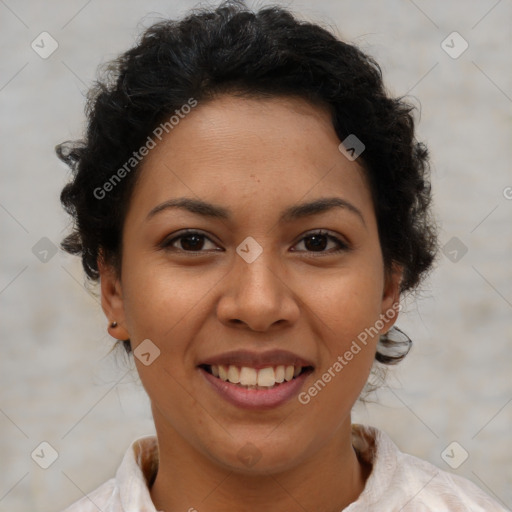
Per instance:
(58,382)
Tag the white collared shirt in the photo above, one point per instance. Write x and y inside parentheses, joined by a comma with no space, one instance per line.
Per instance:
(398,482)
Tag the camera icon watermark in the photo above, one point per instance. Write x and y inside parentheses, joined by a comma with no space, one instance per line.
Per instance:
(454,455)
(351,147)
(249,249)
(507,193)
(455,249)
(44,45)
(146,352)
(249,455)
(454,45)
(44,455)
(44,250)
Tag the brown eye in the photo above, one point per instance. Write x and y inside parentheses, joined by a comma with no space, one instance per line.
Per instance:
(318,242)
(189,241)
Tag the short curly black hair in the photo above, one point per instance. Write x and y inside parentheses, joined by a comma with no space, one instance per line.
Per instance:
(232,49)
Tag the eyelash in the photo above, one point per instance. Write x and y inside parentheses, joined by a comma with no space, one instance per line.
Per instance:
(342,246)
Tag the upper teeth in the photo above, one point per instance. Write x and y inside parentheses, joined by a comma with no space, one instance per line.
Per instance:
(247,376)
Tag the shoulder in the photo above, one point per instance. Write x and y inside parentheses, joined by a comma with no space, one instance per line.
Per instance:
(431,488)
(129,487)
(99,499)
(399,481)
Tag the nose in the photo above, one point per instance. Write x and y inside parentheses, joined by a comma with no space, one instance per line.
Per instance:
(257,295)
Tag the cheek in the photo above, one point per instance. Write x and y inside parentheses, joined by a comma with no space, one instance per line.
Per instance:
(348,309)
(346,302)
(160,299)
(164,305)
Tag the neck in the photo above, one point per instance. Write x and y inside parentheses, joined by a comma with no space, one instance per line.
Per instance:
(328,481)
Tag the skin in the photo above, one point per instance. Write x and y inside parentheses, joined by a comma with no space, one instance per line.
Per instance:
(193,305)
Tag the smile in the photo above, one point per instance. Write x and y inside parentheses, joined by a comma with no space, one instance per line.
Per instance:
(252,378)
(257,389)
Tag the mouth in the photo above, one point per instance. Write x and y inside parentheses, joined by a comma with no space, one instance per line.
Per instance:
(247,377)
(256,380)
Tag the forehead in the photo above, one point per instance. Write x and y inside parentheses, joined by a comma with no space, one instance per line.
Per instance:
(239,150)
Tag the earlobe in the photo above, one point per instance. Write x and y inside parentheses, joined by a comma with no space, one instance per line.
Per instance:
(112,300)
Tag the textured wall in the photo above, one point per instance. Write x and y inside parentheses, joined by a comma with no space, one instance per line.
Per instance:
(58,382)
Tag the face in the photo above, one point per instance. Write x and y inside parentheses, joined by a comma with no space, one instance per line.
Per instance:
(246,276)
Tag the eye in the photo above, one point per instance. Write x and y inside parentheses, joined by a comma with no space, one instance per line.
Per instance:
(194,241)
(318,240)
(188,241)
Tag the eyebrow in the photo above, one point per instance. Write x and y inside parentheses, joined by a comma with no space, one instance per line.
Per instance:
(292,213)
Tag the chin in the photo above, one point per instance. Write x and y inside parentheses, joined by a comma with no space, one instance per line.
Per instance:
(253,455)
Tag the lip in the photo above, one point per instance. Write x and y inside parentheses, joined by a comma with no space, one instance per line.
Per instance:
(257,360)
(255,398)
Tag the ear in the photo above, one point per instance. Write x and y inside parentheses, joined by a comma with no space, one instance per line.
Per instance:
(112,300)
(391,297)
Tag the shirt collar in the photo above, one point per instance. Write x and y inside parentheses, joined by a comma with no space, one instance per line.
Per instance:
(136,475)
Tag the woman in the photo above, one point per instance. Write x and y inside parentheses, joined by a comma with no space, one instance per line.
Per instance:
(254,205)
